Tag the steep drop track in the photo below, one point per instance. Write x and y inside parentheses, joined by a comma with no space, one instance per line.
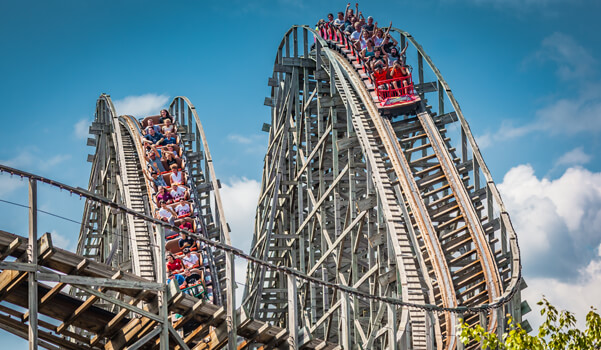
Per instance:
(393,206)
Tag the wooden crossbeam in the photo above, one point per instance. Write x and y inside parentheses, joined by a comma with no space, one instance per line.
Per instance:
(251,339)
(110,326)
(10,249)
(57,288)
(17,326)
(188,315)
(83,307)
(132,332)
(181,344)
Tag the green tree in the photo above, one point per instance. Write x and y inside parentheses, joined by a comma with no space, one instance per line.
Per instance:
(558,332)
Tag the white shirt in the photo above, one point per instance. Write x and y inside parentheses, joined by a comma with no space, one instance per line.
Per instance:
(190,261)
(178,193)
(164,213)
(176,178)
(182,209)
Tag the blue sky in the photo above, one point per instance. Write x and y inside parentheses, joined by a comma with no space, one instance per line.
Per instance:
(526,74)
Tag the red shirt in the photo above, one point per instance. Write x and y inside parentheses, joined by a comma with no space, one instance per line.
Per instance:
(397,73)
(380,76)
(187,225)
(175,265)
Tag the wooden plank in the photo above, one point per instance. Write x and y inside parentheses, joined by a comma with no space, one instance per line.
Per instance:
(83,307)
(99,282)
(11,325)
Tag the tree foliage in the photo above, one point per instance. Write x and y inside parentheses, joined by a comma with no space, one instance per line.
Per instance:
(558,331)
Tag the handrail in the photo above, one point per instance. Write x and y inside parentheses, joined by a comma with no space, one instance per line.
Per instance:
(237,252)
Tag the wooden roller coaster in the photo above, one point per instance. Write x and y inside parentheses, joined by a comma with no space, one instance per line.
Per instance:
(373,230)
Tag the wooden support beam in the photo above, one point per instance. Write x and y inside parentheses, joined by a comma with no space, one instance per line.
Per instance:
(45,338)
(110,326)
(10,249)
(32,249)
(57,288)
(120,303)
(99,282)
(180,342)
(18,266)
(145,339)
(83,307)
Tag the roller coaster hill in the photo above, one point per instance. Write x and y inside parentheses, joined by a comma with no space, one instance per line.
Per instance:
(376,228)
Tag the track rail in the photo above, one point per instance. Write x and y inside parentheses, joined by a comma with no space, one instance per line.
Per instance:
(366,128)
(410,194)
(142,237)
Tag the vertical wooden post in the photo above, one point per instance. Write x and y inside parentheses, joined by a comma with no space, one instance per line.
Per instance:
(305,45)
(292,314)
(498,313)
(483,318)
(345,321)
(392,340)
(181,111)
(440,99)
(295,47)
(32,251)
(420,67)
(463,146)
(163,302)
(232,332)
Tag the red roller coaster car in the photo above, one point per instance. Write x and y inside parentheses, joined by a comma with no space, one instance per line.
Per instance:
(403,99)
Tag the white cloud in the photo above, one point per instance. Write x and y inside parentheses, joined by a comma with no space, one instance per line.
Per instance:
(576,297)
(251,143)
(577,156)
(140,106)
(558,223)
(239,139)
(572,115)
(61,241)
(81,128)
(506,131)
(240,276)
(240,198)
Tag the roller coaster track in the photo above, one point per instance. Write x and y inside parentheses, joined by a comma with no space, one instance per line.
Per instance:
(381,204)
(117,174)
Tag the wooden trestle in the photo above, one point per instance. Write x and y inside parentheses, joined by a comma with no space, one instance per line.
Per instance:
(71,323)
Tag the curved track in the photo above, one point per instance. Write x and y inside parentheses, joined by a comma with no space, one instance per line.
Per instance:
(131,243)
(385,205)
